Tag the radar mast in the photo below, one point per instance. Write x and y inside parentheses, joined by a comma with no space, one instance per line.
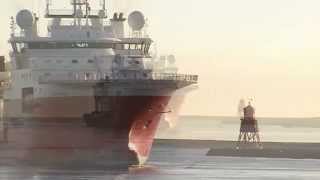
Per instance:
(77,12)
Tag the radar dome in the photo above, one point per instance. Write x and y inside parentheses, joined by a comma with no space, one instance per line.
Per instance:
(25,19)
(136,20)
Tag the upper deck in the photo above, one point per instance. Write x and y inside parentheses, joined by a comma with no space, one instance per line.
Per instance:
(84,39)
(80,28)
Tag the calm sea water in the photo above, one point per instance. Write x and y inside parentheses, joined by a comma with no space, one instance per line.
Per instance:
(182,164)
(227,128)
(172,163)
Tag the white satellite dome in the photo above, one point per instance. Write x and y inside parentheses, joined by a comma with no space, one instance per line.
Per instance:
(25,19)
(136,20)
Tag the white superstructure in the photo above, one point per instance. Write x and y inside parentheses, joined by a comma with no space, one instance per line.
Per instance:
(81,45)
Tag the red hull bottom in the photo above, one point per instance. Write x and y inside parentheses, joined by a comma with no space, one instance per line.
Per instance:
(125,137)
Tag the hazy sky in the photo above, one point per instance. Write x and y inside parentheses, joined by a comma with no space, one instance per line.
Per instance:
(265,49)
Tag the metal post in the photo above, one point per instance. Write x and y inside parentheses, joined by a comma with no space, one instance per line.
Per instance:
(249,133)
(104,5)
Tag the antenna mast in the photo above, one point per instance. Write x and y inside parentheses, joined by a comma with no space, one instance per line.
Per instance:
(77,9)
(104,5)
(48,2)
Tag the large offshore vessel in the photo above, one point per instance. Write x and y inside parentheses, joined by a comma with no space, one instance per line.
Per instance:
(89,90)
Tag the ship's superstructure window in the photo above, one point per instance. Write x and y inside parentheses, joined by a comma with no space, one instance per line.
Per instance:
(132,46)
(126,46)
(102,45)
(74,61)
(26,76)
(69,45)
(90,61)
(142,46)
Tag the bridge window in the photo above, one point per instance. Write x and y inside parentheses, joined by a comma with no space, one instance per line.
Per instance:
(67,45)
(138,46)
(127,46)
(131,46)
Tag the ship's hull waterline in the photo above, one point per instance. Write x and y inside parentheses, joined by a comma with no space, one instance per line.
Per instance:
(126,138)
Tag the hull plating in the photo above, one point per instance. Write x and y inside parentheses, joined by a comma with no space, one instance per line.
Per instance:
(55,132)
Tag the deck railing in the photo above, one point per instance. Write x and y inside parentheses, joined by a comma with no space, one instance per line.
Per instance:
(93,77)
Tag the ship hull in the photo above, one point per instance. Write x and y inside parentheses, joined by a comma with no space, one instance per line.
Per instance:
(115,127)
(121,138)
(67,107)
(171,120)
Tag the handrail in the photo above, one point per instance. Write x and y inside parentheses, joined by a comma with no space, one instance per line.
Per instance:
(96,77)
